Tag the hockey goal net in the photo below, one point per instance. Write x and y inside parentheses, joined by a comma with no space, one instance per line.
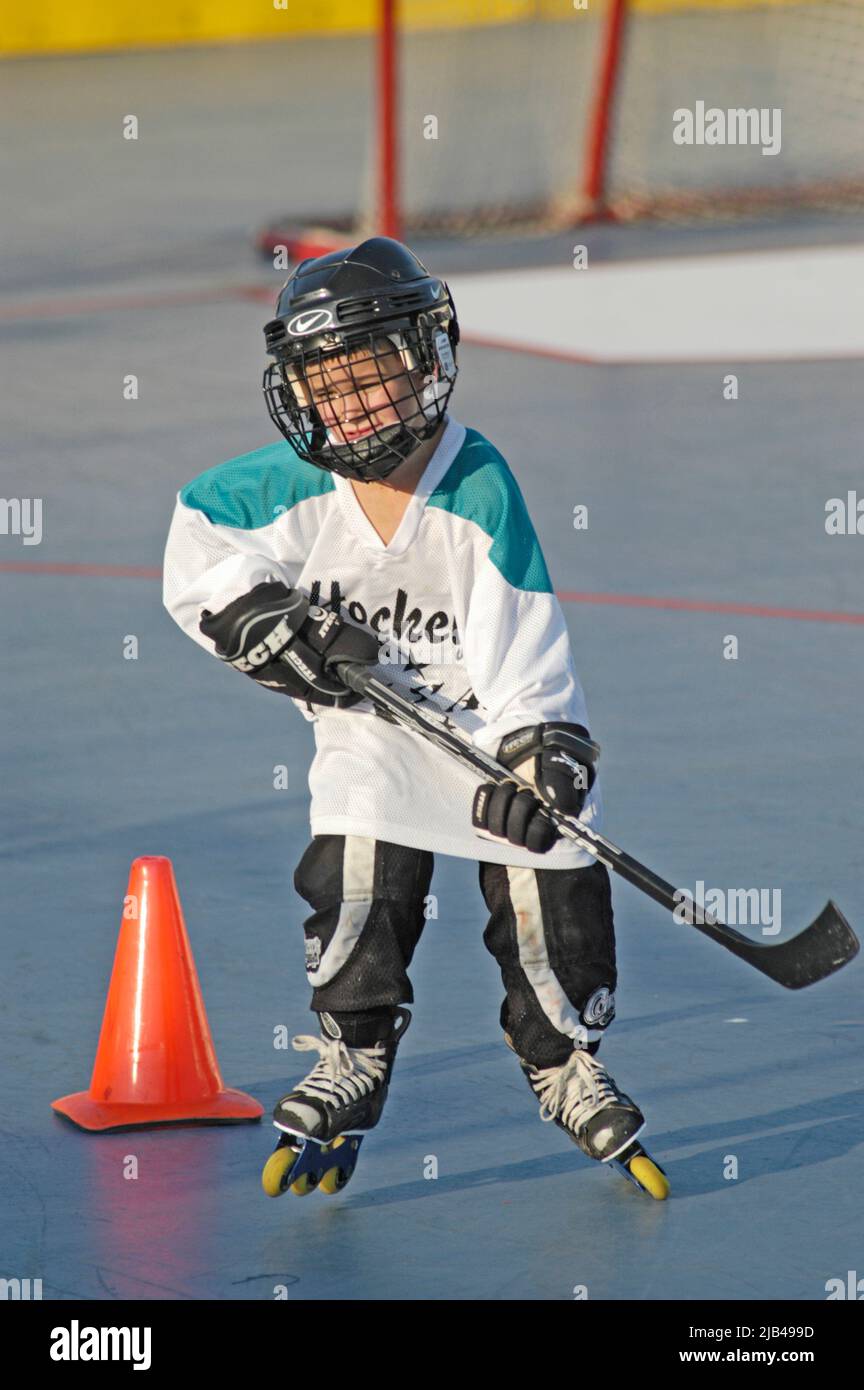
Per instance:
(493,114)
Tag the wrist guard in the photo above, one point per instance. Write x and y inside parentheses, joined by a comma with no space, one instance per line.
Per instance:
(557,759)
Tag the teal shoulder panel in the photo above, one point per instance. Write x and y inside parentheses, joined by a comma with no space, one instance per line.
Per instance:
(479,486)
(254,489)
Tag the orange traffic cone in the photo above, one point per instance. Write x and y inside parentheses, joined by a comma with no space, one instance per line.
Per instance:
(155,1063)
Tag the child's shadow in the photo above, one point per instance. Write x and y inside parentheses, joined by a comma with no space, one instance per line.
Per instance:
(829,1127)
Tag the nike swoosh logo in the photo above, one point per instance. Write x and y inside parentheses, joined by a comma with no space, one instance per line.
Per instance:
(305,321)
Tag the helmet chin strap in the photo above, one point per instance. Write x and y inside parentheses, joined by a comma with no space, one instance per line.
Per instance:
(346,461)
(336,443)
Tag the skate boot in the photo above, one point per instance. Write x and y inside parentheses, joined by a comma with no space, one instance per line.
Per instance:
(583,1100)
(324,1118)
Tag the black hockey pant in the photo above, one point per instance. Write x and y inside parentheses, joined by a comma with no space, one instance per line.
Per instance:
(550,930)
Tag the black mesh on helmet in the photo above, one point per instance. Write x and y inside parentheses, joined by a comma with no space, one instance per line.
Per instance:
(360,411)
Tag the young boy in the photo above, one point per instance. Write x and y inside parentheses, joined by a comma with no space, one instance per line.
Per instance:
(382,529)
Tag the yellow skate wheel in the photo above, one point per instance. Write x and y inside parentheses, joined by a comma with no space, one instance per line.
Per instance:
(646,1172)
(335,1178)
(305,1184)
(274,1177)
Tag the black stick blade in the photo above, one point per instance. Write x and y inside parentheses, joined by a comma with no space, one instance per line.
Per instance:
(826,945)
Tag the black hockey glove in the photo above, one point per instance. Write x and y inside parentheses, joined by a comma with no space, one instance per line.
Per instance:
(558,760)
(280,639)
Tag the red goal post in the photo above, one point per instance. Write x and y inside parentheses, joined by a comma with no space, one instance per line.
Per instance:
(538,115)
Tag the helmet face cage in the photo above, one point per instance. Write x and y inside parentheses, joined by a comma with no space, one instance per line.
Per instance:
(359,404)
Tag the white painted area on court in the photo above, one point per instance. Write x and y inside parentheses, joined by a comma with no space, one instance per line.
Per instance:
(807,302)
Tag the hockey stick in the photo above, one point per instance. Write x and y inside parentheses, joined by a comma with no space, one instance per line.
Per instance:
(826,945)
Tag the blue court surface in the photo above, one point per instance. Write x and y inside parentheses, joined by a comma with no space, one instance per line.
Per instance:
(706,521)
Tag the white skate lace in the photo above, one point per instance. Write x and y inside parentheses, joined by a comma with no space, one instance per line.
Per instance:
(344,1073)
(575,1091)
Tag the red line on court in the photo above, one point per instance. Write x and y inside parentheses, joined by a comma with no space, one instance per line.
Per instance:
(686,605)
(265,294)
(82,571)
(111,303)
(689,605)
(692,359)
(554,354)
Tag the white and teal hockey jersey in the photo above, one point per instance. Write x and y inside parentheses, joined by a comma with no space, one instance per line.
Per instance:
(460,600)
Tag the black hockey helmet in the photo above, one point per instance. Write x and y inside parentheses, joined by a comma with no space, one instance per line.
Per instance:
(370,324)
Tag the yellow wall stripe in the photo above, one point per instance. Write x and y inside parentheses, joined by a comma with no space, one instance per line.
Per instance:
(52,26)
